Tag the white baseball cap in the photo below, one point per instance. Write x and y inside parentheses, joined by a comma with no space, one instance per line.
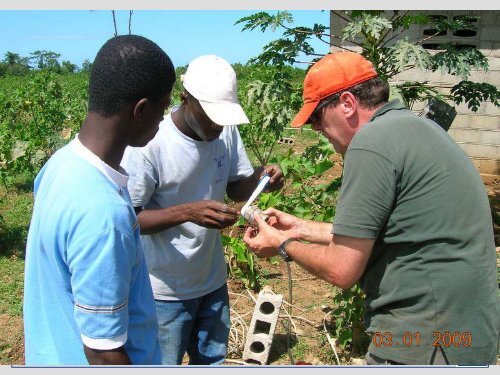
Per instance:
(212,81)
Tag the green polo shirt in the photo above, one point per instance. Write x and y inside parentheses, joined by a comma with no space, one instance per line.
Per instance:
(431,278)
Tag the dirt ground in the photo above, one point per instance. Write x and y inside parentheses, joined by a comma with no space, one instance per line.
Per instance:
(311,301)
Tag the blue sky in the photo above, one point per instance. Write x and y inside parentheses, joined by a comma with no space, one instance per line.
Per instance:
(78,34)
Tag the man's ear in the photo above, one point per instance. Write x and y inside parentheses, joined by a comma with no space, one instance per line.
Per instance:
(140,109)
(349,104)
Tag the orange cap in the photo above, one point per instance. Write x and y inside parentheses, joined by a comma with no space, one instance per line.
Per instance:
(333,73)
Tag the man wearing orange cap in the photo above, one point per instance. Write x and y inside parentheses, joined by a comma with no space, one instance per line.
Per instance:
(412,224)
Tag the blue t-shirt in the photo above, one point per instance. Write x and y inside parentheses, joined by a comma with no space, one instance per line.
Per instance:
(86,280)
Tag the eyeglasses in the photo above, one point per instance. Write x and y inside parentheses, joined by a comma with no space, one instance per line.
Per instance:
(317,114)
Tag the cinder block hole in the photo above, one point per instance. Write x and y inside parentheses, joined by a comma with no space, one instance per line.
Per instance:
(257,347)
(266,308)
(262,327)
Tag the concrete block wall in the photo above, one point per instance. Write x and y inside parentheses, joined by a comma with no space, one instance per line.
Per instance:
(477,133)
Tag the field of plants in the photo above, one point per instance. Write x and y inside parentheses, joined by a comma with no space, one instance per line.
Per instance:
(42,111)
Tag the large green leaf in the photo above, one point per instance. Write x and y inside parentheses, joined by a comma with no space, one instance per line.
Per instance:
(459,61)
(367,25)
(404,54)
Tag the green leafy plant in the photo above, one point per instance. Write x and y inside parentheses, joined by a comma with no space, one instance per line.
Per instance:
(304,194)
(271,102)
(38,115)
(241,262)
(348,319)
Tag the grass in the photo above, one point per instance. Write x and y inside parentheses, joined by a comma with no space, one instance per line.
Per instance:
(300,350)
(16,204)
(11,285)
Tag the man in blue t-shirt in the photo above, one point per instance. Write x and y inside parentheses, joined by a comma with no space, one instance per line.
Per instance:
(87,296)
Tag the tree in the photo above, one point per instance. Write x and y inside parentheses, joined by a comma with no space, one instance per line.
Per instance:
(46,60)
(12,58)
(376,34)
(68,67)
(272,99)
(86,66)
(14,65)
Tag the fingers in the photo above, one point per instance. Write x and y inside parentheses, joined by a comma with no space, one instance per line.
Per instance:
(220,220)
(277,178)
(214,214)
(259,221)
(248,235)
(225,209)
(271,211)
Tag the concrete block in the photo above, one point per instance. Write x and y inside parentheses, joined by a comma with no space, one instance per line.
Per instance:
(261,331)
(481,151)
(477,163)
(461,121)
(493,77)
(463,109)
(478,76)
(489,33)
(490,137)
(495,49)
(467,135)
(485,47)
(493,64)
(491,109)
(487,19)
(489,166)
(410,75)
(440,77)
(484,122)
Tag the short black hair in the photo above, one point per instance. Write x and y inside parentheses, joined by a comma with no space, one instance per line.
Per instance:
(128,68)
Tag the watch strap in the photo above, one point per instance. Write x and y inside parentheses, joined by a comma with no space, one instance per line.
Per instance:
(282,249)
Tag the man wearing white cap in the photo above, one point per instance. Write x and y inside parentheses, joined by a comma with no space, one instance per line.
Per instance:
(177,184)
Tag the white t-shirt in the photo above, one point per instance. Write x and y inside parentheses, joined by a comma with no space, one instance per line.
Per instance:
(185,261)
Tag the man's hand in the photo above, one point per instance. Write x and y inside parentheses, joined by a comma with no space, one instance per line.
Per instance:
(97,357)
(211,214)
(264,240)
(289,225)
(277,178)
(241,189)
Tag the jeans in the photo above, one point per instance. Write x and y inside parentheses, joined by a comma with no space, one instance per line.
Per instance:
(198,326)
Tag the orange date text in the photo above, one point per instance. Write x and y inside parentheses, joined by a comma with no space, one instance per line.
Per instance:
(408,339)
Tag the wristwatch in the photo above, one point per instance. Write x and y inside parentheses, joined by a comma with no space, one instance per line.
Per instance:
(282,249)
